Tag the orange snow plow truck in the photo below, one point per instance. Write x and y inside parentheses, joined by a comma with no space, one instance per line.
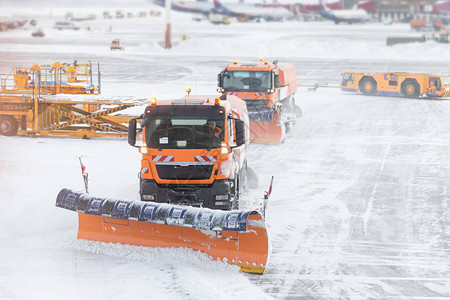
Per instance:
(194,151)
(268,90)
(193,169)
(397,84)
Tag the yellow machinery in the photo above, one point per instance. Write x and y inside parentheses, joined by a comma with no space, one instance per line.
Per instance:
(397,84)
(53,79)
(29,116)
(32,104)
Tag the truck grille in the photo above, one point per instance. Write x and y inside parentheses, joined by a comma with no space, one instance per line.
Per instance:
(265,115)
(255,105)
(188,171)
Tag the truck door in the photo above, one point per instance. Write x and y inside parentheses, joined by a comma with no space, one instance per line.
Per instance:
(434,85)
(348,79)
(231,135)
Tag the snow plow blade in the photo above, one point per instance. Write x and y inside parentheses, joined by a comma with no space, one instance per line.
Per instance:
(266,127)
(236,237)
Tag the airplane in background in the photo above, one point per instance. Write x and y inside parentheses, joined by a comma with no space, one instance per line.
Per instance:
(251,11)
(301,9)
(196,7)
(344,15)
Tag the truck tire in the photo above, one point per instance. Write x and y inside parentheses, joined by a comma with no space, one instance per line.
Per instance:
(298,111)
(235,193)
(243,178)
(368,86)
(288,112)
(8,125)
(410,88)
(253,180)
(235,204)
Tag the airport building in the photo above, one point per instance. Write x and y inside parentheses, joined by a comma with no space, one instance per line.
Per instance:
(401,9)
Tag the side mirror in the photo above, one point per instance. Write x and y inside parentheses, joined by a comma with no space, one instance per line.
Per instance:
(132,132)
(219,80)
(277,81)
(240,132)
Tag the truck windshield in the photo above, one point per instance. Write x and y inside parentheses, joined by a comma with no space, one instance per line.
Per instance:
(445,80)
(184,133)
(247,81)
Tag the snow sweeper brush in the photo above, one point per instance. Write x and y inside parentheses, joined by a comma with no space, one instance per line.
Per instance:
(236,237)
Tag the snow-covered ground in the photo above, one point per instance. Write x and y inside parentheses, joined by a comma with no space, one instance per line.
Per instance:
(360,207)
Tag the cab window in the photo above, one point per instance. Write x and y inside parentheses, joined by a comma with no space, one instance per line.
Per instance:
(436,82)
(348,76)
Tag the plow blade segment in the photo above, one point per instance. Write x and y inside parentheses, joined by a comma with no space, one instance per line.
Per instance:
(266,127)
(236,237)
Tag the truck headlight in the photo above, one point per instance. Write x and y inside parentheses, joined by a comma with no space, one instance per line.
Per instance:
(149,197)
(224,149)
(221,200)
(143,150)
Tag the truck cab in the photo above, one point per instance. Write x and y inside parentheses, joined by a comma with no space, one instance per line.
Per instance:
(438,86)
(194,151)
(268,90)
(117,44)
(255,84)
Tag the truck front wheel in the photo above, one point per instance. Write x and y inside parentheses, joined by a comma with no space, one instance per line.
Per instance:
(410,89)
(368,86)
(235,190)
(8,125)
